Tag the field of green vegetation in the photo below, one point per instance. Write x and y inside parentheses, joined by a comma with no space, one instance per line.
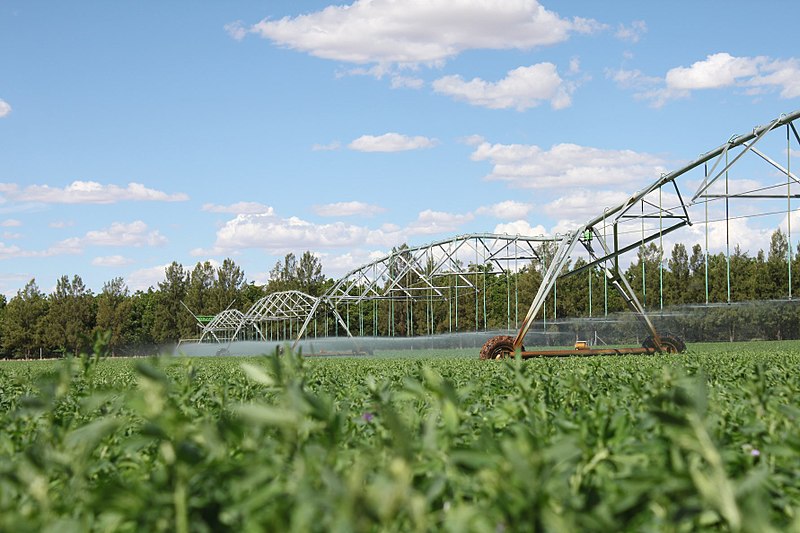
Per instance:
(709,439)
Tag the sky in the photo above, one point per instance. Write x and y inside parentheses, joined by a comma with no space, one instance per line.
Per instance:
(134,134)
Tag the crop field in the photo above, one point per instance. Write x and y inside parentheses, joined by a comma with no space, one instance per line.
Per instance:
(706,440)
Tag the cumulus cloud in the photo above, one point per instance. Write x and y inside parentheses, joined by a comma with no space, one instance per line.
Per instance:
(10,252)
(5,108)
(565,165)
(58,224)
(431,222)
(521,89)
(583,204)
(120,234)
(270,233)
(417,32)
(391,142)
(86,192)
(135,234)
(347,209)
(631,33)
(144,278)
(281,234)
(520,227)
(340,264)
(507,210)
(739,231)
(240,208)
(754,75)
(407,82)
(111,261)
(330,147)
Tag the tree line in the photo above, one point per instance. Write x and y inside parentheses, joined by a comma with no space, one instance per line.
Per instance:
(33,323)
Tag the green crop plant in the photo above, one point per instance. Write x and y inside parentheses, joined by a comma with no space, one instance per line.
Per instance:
(703,440)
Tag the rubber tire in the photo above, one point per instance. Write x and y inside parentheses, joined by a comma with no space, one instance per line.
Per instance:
(498,347)
(670,342)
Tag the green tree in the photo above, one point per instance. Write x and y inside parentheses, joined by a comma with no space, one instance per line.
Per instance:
(171,320)
(114,313)
(71,316)
(228,284)
(23,323)
(677,286)
(309,274)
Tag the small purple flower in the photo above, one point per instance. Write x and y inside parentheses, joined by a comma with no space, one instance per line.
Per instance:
(367,417)
(755,452)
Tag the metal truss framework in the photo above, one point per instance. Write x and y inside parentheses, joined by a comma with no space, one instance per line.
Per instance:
(419,273)
(610,229)
(406,274)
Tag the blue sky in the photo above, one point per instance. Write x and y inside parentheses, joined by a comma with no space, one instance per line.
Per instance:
(133,134)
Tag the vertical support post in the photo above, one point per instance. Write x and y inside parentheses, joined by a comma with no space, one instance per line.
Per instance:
(789,207)
(476,285)
(660,253)
(641,259)
(605,278)
(591,272)
(727,233)
(705,167)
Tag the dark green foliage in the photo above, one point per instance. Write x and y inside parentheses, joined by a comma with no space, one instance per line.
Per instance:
(706,440)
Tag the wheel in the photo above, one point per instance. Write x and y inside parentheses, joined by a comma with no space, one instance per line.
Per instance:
(669,342)
(498,347)
(223,351)
(672,343)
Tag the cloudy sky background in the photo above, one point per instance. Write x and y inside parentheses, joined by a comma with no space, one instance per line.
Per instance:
(135,134)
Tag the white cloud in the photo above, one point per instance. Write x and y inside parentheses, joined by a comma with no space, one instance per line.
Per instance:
(111,261)
(507,210)
(5,108)
(520,227)
(270,233)
(61,224)
(86,192)
(429,32)
(406,82)
(431,222)
(339,265)
(631,33)
(346,209)
(391,142)
(582,203)
(121,234)
(144,278)
(739,232)
(11,223)
(240,208)
(335,145)
(755,75)
(134,234)
(565,165)
(236,30)
(521,89)
(281,235)
(632,79)
(10,252)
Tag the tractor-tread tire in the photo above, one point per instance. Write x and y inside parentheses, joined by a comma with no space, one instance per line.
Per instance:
(670,342)
(498,347)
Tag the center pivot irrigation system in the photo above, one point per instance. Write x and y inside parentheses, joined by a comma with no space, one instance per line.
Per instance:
(439,282)
(604,236)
